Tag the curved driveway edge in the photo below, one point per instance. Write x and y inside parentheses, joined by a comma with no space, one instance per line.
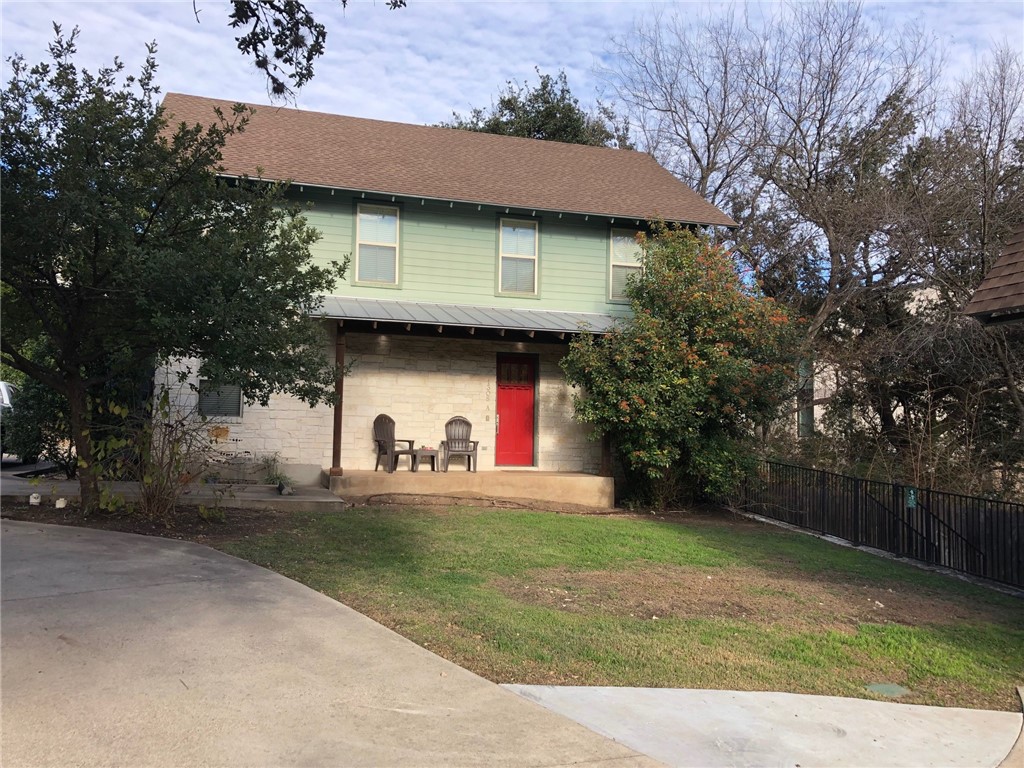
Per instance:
(132,650)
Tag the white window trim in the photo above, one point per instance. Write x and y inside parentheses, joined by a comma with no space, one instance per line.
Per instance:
(395,245)
(536,253)
(612,263)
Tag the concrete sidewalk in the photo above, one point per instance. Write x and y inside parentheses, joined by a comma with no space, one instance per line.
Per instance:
(708,729)
(132,650)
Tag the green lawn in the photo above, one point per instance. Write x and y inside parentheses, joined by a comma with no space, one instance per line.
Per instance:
(694,602)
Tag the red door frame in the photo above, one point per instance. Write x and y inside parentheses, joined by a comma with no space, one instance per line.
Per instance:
(515,405)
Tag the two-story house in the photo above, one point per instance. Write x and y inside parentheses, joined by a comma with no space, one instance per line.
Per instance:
(474,259)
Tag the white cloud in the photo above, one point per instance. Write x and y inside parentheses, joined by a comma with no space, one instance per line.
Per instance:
(420,63)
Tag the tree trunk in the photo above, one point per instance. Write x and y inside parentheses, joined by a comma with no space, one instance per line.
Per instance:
(88,471)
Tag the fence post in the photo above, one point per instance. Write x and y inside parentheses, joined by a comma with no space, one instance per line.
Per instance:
(929,545)
(898,512)
(858,488)
(823,505)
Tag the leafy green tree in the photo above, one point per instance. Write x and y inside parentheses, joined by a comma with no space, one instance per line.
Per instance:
(680,385)
(122,248)
(550,112)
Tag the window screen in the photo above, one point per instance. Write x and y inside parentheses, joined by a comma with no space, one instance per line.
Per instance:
(377,252)
(626,253)
(518,257)
(225,400)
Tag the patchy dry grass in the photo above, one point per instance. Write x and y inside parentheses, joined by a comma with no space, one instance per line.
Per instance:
(697,602)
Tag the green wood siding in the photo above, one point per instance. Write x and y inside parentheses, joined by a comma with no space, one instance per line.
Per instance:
(449,253)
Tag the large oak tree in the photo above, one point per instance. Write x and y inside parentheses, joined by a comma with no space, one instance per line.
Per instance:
(122,247)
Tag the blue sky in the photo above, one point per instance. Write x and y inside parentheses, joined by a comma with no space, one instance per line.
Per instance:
(419,64)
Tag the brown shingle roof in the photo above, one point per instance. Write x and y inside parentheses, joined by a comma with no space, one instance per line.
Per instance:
(1000,297)
(442,163)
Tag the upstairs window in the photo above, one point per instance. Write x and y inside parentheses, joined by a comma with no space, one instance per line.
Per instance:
(377,244)
(625,261)
(225,400)
(518,269)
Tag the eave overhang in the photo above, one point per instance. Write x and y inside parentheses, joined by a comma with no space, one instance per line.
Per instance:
(624,219)
(462,320)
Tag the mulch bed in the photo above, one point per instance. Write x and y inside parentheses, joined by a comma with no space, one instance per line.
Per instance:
(188,524)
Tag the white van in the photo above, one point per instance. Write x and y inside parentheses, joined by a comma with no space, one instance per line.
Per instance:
(8,394)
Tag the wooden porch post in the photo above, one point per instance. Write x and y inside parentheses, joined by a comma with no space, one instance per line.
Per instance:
(339,359)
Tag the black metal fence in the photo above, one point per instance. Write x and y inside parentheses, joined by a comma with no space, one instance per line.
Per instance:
(969,534)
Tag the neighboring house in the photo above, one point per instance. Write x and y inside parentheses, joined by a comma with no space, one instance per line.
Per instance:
(1000,296)
(475,259)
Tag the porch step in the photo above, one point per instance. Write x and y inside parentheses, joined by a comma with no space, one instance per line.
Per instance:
(562,487)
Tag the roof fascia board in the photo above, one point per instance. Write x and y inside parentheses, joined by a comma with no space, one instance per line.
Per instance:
(471,327)
(436,330)
(1000,318)
(610,216)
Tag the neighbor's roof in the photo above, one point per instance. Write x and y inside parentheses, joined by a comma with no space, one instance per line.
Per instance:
(464,316)
(1000,297)
(446,164)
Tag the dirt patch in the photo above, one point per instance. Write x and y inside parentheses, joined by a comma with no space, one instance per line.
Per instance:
(747,594)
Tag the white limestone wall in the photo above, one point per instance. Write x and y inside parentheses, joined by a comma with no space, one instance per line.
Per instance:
(420,383)
(423,382)
(298,436)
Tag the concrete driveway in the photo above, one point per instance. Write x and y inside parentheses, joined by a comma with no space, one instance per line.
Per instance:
(130,650)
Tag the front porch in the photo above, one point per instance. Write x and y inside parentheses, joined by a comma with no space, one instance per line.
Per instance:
(565,487)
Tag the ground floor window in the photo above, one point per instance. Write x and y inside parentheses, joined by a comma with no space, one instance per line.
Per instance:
(223,400)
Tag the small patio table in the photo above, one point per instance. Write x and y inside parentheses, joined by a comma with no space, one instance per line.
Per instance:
(425,453)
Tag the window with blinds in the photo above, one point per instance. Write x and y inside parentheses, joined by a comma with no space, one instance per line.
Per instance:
(377,244)
(518,269)
(225,400)
(625,261)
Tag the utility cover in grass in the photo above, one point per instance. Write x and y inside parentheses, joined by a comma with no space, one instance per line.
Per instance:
(889,689)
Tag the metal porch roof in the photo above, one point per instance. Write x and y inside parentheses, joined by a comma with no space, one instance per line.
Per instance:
(464,316)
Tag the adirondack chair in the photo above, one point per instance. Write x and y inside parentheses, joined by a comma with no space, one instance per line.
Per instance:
(387,445)
(457,442)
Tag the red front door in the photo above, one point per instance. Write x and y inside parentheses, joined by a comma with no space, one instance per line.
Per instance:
(517,379)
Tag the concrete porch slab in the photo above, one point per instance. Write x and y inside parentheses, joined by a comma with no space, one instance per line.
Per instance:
(572,487)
